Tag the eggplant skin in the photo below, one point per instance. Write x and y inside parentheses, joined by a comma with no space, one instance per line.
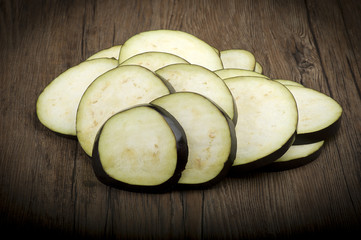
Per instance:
(295,163)
(235,111)
(182,157)
(323,134)
(251,166)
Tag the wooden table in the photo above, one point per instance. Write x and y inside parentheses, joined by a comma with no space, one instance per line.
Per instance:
(47,185)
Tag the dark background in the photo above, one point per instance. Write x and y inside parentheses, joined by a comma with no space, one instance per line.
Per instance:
(47,186)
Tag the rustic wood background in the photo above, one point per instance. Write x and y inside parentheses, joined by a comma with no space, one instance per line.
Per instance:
(47,186)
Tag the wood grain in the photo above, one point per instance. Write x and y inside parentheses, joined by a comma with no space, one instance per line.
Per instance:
(47,185)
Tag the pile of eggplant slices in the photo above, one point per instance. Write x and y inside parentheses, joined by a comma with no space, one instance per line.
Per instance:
(166,109)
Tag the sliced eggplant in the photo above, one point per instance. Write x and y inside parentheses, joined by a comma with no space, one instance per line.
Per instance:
(296,156)
(234,72)
(112,52)
(57,105)
(118,89)
(288,82)
(194,78)
(258,68)
(210,136)
(238,58)
(141,149)
(182,44)
(267,121)
(153,60)
(319,115)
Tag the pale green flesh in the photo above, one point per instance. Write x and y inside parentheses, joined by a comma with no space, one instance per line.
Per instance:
(114,91)
(288,82)
(267,117)
(316,110)
(138,147)
(238,58)
(207,132)
(258,68)
(194,78)
(112,52)
(300,151)
(234,72)
(58,103)
(184,45)
(153,60)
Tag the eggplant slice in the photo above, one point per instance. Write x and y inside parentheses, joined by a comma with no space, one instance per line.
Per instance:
(319,115)
(182,44)
(194,78)
(210,136)
(112,52)
(296,156)
(288,82)
(57,104)
(142,149)
(118,89)
(238,58)
(235,72)
(267,121)
(153,60)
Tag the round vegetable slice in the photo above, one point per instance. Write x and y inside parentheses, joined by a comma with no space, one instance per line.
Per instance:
(182,44)
(118,89)
(112,52)
(194,78)
(296,156)
(57,104)
(234,72)
(140,149)
(153,60)
(319,115)
(267,121)
(238,58)
(210,136)
(288,82)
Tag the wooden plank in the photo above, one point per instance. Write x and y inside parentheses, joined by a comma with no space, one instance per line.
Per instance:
(349,14)
(47,184)
(337,56)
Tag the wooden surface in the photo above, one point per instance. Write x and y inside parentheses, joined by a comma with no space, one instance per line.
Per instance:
(47,185)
